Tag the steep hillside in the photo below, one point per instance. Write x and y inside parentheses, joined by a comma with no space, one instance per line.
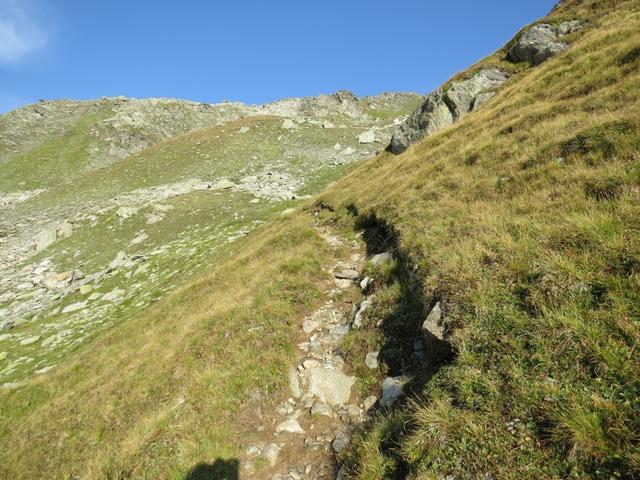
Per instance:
(495,324)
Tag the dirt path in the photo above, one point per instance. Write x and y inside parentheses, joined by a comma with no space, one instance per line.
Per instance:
(300,437)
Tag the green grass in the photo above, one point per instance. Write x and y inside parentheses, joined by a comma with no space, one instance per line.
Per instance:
(523,219)
(56,160)
(529,231)
(160,393)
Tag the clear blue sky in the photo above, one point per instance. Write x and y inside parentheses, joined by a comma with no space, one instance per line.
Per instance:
(254,51)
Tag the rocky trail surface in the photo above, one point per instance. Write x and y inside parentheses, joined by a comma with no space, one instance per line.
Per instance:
(300,435)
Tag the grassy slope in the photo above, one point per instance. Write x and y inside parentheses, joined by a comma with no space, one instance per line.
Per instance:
(540,271)
(140,359)
(159,394)
(525,218)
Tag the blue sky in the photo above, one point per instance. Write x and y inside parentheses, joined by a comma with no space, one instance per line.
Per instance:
(254,51)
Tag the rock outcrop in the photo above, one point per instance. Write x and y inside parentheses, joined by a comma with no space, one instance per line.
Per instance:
(541,42)
(430,117)
(461,97)
(446,106)
(442,108)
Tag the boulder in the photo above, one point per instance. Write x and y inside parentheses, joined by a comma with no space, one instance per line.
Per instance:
(392,390)
(119,261)
(330,386)
(433,324)
(537,44)
(348,274)
(433,115)
(294,383)
(461,95)
(321,408)
(289,426)
(366,283)
(310,363)
(243,130)
(340,442)
(571,26)
(126,212)
(29,340)
(113,295)
(369,402)
(252,451)
(288,124)
(381,258)
(348,151)
(45,238)
(223,184)
(66,229)
(435,335)
(270,454)
(359,316)
(367,137)
(139,239)
(371,360)
(74,307)
(309,325)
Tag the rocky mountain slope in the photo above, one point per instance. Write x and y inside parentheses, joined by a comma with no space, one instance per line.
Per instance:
(462,306)
(108,205)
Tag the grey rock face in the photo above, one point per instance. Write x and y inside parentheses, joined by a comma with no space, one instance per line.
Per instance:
(435,335)
(392,390)
(441,109)
(367,137)
(371,360)
(289,426)
(359,316)
(294,383)
(431,116)
(320,408)
(538,44)
(349,274)
(330,386)
(340,442)
(462,95)
(270,454)
(482,99)
(433,323)
(381,258)
(569,27)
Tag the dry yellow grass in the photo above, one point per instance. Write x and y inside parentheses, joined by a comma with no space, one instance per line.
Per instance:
(524,216)
(160,394)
